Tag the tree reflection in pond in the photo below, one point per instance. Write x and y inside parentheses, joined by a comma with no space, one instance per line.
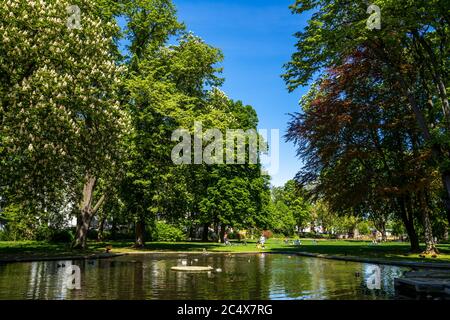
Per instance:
(255,276)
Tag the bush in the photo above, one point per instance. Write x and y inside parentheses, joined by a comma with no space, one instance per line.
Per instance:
(92,234)
(43,233)
(233,235)
(267,234)
(331,236)
(20,224)
(363,228)
(65,235)
(118,236)
(167,233)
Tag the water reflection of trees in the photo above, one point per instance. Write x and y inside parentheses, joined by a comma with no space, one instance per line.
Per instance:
(241,277)
(34,280)
(300,278)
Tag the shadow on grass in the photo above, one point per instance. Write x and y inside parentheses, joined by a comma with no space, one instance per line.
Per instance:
(181,247)
(159,246)
(390,251)
(386,251)
(34,248)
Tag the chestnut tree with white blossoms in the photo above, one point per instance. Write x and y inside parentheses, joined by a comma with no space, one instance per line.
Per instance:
(61,124)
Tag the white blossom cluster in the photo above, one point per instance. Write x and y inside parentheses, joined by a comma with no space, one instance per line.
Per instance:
(58,96)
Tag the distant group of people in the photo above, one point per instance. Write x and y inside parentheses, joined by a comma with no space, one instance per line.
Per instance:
(241,235)
(296,242)
(261,244)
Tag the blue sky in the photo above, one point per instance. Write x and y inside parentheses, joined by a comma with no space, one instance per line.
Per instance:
(256,38)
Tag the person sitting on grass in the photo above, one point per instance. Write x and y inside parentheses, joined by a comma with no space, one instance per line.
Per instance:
(297,242)
(375,241)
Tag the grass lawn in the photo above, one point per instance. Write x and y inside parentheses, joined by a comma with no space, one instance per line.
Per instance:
(389,251)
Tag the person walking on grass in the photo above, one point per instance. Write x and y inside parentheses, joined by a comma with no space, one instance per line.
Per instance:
(262,241)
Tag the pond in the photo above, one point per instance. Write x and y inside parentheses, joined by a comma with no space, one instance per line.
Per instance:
(237,276)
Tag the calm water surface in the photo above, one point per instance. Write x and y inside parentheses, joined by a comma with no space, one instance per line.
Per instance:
(256,276)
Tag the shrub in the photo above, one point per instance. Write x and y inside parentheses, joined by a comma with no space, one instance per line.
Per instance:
(43,233)
(92,234)
(167,233)
(118,236)
(234,235)
(65,235)
(19,224)
(267,234)
(363,228)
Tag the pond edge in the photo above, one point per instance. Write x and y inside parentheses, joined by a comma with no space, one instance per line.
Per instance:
(410,264)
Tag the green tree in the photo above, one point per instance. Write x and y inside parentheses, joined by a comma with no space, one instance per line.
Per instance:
(413,47)
(61,123)
(290,201)
(281,219)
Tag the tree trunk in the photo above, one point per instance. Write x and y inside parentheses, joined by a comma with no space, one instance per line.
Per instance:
(101,228)
(140,233)
(428,231)
(412,235)
(380,225)
(191,232)
(192,227)
(205,232)
(222,233)
(83,223)
(313,226)
(114,229)
(216,231)
(87,212)
(408,222)
(383,230)
(383,233)
(446,181)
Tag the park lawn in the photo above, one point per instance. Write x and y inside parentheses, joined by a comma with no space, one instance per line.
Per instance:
(351,248)
(40,249)
(362,249)
(393,251)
